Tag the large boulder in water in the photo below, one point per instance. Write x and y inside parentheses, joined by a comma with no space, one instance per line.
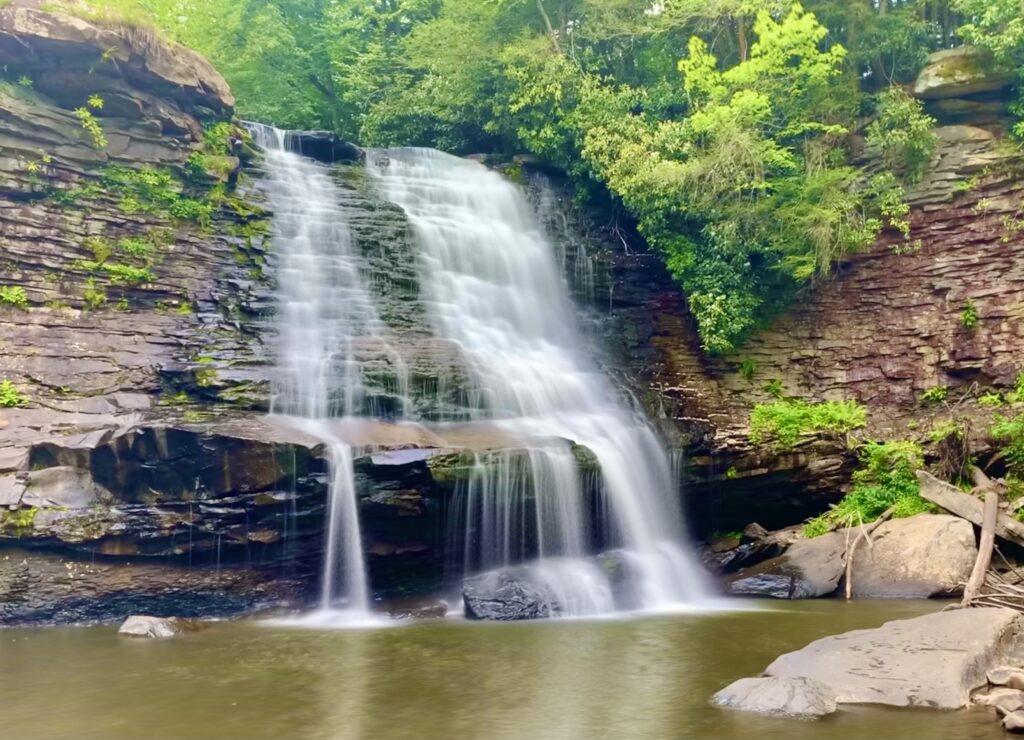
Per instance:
(933,661)
(546,588)
(508,594)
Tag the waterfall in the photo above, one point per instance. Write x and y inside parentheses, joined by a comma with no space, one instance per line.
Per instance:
(492,285)
(325,313)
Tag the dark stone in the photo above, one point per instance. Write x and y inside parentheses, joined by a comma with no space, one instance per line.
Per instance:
(506,595)
(809,568)
(325,147)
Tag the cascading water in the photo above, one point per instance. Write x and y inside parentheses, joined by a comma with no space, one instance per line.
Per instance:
(493,286)
(325,311)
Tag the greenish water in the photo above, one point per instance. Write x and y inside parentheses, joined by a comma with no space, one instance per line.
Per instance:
(644,679)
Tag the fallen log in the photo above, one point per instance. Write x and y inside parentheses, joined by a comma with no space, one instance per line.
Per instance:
(968,507)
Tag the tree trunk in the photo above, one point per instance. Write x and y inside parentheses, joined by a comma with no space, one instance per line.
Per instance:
(988,539)
(547,24)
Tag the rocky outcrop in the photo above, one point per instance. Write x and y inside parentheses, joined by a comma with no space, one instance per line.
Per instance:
(217,517)
(958,73)
(932,661)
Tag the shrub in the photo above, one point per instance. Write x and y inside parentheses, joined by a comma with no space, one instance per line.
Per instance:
(886,477)
(10,397)
(784,421)
(969,316)
(903,133)
(92,127)
(935,395)
(14,295)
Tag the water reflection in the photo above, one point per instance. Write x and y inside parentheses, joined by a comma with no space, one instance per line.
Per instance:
(632,679)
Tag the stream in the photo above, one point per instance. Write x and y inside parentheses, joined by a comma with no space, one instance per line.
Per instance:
(635,679)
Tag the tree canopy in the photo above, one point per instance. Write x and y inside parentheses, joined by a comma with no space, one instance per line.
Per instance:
(724,127)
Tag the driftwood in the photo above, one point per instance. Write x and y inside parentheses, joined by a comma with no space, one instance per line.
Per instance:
(968,507)
(985,545)
(865,533)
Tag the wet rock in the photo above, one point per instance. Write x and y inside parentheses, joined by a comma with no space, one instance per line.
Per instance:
(935,661)
(141,626)
(38,588)
(808,569)
(958,72)
(1003,700)
(418,610)
(1008,676)
(744,556)
(787,697)
(724,544)
(64,487)
(506,595)
(325,146)
(1014,722)
(918,557)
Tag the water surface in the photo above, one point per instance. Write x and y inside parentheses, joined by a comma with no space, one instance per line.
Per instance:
(643,679)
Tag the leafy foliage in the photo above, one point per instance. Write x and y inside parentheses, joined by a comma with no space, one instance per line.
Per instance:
(721,127)
(785,421)
(885,478)
(10,396)
(903,133)
(14,295)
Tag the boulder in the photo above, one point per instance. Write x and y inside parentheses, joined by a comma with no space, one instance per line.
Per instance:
(955,73)
(809,568)
(1003,700)
(918,557)
(786,697)
(508,594)
(1007,676)
(1014,722)
(141,626)
(936,660)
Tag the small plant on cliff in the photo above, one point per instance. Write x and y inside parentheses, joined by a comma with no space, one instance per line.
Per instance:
(93,296)
(969,316)
(886,477)
(935,395)
(14,295)
(10,397)
(785,421)
(89,123)
(748,368)
(990,399)
(773,388)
